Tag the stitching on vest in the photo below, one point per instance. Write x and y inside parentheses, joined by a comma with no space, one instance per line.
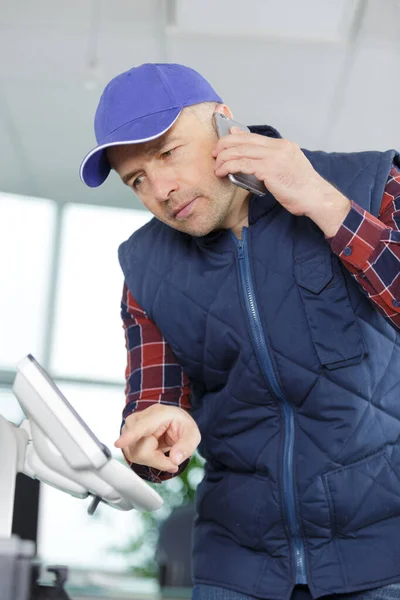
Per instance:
(384,375)
(335,538)
(380,454)
(363,168)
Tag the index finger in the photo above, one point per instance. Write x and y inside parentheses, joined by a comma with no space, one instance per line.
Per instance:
(145,426)
(236,139)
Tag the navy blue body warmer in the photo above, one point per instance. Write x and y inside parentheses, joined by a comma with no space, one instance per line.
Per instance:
(295,383)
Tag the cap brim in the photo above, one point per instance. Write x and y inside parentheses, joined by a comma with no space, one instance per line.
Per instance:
(95,167)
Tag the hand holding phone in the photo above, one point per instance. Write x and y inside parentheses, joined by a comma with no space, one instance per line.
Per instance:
(247,182)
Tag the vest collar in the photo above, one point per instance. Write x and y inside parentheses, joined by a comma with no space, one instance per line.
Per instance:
(259,205)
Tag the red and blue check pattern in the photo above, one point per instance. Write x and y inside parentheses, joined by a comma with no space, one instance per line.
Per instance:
(369,248)
(152,373)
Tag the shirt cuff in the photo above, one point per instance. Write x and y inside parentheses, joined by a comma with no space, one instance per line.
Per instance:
(358,237)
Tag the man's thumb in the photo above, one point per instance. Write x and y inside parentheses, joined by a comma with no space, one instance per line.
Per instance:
(123,440)
(178,453)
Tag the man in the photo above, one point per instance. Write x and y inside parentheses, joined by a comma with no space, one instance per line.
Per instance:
(274,322)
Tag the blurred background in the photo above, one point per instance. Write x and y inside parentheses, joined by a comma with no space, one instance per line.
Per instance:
(324,73)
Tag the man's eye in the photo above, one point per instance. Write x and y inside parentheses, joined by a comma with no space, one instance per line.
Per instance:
(136,182)
(167,153)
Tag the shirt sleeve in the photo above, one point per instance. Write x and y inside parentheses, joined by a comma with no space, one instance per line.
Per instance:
(152,374)
(369,247)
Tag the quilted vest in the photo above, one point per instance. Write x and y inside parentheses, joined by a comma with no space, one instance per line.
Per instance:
(295,381)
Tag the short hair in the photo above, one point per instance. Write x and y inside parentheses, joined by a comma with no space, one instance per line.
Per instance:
(204,112)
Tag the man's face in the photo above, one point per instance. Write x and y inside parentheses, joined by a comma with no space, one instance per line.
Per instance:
(174,176)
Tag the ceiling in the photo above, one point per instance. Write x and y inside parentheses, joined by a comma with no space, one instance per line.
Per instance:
(324,73)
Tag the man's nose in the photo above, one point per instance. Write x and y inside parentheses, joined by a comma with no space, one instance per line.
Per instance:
(164,183)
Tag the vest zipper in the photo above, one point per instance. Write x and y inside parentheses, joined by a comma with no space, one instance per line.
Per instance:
(264,359)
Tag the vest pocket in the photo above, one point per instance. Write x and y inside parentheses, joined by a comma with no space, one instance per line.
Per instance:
(333,325)
(362,494)
(240,506)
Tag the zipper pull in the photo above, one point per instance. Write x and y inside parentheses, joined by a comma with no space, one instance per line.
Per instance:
(240,249)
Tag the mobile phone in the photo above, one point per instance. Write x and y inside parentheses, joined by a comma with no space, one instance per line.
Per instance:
(247,182)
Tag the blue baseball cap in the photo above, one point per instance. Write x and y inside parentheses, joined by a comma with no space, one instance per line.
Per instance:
(140,105)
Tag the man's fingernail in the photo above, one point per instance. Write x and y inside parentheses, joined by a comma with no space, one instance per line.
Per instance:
(235,129)
(179,457)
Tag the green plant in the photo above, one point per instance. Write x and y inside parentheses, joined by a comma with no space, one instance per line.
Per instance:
(175,492)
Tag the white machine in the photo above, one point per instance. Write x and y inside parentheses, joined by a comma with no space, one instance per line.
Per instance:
(53,444)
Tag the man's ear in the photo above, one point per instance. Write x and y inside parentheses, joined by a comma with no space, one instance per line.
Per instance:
(224,109)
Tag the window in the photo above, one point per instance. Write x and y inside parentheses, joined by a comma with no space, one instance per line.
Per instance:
(9,407)
(60,302)
(89,340)
(26,238)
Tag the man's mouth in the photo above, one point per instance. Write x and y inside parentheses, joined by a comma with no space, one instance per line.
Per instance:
(184,209)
